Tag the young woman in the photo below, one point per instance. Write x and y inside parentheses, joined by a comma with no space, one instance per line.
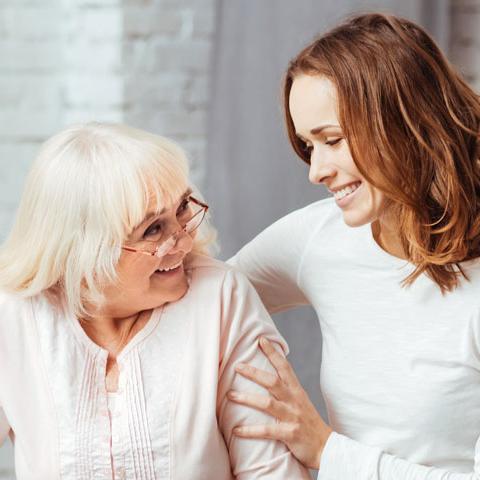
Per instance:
(118,338)
(391,263)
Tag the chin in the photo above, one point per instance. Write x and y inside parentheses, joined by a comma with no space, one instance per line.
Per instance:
(179,290)
(356,219)
(182,289)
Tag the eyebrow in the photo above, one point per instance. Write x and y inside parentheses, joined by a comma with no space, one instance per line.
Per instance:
(155,213)
(317,130)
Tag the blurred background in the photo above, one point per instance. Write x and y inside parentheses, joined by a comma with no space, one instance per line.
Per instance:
(206,73)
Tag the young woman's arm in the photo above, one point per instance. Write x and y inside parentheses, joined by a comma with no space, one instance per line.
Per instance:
(272,260)
(305,433)
(244,320)
(349,460)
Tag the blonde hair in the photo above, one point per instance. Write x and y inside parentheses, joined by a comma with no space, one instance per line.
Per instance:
(87,189)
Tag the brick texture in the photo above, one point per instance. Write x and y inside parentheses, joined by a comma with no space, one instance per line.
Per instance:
(141,62)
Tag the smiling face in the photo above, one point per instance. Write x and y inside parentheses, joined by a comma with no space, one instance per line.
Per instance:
(313,107)
(144,281)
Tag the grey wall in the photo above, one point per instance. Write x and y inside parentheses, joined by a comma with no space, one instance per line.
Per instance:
(252,176)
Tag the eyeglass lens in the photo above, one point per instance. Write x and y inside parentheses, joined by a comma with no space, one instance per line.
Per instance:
(189,227)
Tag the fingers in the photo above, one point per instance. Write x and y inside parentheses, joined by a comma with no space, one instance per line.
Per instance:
(265,379)
(279,362)
(257,431)
(265,404)
(280,384)
(283,432)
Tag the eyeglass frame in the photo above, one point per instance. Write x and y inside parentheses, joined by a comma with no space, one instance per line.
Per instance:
(203,210)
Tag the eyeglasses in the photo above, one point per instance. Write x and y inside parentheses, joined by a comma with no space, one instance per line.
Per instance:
(190,216)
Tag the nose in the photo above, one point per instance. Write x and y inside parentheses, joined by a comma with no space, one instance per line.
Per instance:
(183,242)
(320,170)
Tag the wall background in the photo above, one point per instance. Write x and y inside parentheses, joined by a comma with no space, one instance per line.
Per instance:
(142,62)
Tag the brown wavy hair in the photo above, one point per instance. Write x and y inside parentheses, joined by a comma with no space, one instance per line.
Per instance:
(412,125)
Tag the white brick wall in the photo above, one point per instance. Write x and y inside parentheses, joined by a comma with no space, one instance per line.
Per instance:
(167,47)
(30,91)
(142,62)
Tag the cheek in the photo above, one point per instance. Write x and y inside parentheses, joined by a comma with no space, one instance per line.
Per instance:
(134,274)
(374,203)
(378,199)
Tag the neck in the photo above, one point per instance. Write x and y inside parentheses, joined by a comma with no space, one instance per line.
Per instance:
(385,233)
(113,333)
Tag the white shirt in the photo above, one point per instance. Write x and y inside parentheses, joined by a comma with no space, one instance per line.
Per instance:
(400,366)
(169,419)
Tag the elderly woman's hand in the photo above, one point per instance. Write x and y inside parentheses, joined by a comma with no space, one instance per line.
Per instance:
(299,425)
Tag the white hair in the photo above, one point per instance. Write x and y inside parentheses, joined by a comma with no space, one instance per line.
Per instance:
(87,189)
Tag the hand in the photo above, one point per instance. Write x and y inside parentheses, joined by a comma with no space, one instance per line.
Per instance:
(299,425)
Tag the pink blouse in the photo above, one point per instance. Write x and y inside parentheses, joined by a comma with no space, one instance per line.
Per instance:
(170,418)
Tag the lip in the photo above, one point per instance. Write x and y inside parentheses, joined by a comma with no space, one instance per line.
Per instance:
(341,187)
(345,201)
(170,273)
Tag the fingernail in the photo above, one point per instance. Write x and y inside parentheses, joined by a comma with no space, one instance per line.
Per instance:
(263,341)
(240,366)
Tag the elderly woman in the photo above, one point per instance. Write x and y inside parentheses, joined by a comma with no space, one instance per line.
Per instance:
(118,338)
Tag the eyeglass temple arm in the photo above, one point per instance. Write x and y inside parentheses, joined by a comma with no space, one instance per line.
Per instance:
(130,249)
(199,203)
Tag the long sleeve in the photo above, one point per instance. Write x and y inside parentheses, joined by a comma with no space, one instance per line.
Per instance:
(347,459)
(4,426)
(272,260)
(244,320)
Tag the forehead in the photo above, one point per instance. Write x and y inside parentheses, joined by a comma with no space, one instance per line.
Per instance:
(158,204)
(312,102)
(155,207)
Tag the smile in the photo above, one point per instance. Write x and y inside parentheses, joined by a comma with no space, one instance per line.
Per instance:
(346,191)
(172,268)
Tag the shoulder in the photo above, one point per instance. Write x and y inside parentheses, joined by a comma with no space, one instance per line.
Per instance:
(16,315)
(219,291)
(11,306)
(311,216)
(293,231)
(214,274)
(18,312)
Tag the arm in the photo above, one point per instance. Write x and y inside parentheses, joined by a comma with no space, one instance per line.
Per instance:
(314,443)
(4,427)
(344,458)
(244,320)
(272,261)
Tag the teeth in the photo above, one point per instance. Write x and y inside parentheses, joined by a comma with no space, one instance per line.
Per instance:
(346,191)
(169,268)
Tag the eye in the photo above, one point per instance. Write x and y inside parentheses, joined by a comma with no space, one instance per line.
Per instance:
(335,141)
(184,206)
(153,230)
(307,148)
